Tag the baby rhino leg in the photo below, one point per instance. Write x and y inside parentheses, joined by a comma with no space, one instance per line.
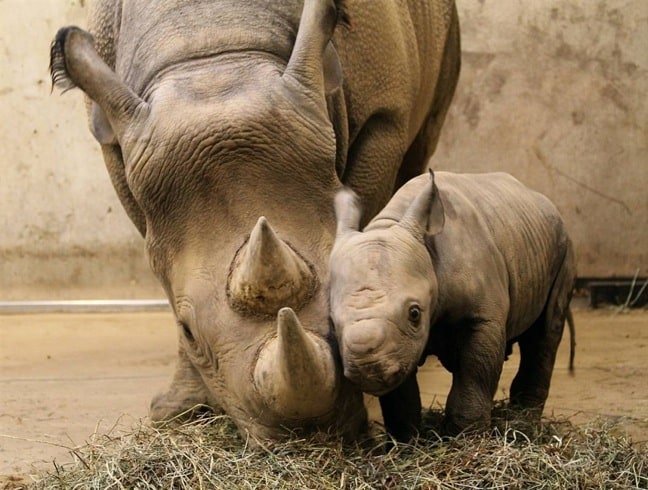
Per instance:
(538,347)
(530,387)
(474,382)
(401,410)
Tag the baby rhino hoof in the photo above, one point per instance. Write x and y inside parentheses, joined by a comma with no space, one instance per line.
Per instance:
(170,408)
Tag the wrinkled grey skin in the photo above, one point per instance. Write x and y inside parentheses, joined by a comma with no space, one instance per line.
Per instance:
(227,127)
(460,270)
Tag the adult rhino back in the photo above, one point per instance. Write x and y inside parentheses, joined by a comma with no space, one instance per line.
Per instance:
(226,130)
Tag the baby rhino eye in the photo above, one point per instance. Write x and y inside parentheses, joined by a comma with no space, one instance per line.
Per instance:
(414,316)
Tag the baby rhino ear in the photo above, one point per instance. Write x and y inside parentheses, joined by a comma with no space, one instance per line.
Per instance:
(436,219)
(425,215)
(347,212)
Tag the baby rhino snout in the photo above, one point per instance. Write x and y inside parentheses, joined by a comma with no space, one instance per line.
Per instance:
(364,338)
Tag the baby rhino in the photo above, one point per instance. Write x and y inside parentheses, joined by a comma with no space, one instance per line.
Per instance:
(460,266)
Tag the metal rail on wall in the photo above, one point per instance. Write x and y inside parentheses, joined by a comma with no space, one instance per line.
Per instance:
(84,306)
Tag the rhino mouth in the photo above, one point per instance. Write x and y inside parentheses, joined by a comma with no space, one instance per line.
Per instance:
(376,378)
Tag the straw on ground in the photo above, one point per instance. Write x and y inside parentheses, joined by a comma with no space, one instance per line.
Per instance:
(208,453)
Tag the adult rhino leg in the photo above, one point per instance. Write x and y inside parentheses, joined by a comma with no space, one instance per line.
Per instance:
(373,161)
(401,410)
(539,345)
(475,380)
(381,157)
(186,396)
(425,143)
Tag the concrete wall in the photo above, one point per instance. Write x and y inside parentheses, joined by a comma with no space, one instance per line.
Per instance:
(63,232)
(554,92)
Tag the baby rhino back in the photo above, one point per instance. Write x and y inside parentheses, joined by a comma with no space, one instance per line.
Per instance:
(499,238)
(522,228)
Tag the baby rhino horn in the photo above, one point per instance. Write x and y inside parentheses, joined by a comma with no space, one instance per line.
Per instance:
(267,274)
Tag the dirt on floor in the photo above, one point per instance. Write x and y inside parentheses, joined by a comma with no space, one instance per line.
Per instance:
(64,377)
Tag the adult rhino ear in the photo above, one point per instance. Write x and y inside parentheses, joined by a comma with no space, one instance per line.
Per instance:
(425,216)
(347,212)
(100,126)
(314,63)
(74,62)
(332,70)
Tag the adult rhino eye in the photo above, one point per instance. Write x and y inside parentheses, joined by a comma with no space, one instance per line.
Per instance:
(414,316)
(187,331)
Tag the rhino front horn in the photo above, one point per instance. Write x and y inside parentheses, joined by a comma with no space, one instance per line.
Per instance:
(295,373)
(267,274)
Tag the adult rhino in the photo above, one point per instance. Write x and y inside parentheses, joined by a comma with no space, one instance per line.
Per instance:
(220,117)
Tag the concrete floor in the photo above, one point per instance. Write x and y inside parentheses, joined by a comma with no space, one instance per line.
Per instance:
(64,377)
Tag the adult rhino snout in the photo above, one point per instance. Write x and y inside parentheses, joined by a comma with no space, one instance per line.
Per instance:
(268,274)
(296,373)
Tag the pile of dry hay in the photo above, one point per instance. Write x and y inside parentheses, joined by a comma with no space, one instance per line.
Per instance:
(208,453)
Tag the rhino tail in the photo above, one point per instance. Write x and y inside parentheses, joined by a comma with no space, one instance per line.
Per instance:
(559,310)
(572,339)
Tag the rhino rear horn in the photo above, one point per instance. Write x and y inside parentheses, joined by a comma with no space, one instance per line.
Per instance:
(74,62)
(295,373)
(267,274)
